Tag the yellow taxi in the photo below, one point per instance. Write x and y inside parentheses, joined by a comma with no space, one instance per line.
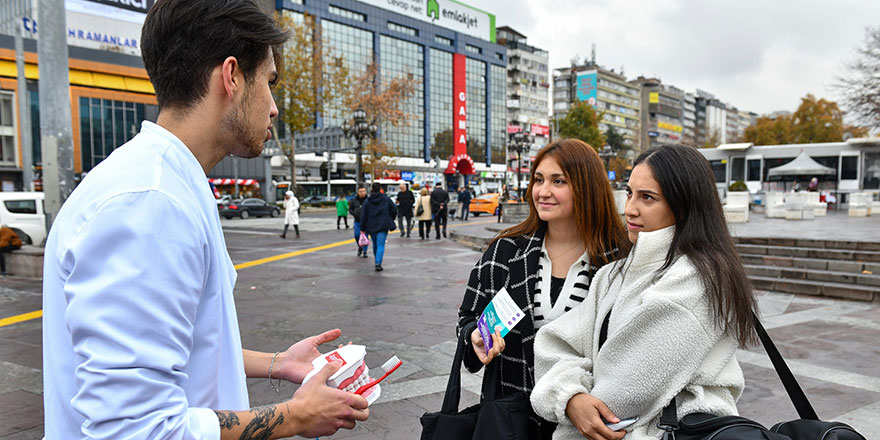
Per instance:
(485,204)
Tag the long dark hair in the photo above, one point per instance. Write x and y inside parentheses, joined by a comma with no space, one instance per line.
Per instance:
(599,226)
(701,233)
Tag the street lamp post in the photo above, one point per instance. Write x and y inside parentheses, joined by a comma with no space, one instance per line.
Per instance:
(519,142)
(606,154)
(359,131)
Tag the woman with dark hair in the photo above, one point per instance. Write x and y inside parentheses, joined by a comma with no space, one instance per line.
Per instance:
(673,313)
(546,263)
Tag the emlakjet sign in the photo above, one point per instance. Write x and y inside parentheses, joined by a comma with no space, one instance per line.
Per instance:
(446,13)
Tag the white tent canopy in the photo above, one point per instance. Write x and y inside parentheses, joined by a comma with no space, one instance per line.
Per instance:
(802,165)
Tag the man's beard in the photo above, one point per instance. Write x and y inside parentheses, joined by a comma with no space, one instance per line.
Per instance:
(242,142)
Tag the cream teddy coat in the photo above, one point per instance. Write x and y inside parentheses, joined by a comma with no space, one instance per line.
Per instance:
(662,343)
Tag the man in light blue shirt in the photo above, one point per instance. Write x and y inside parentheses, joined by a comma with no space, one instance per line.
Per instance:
(140,333)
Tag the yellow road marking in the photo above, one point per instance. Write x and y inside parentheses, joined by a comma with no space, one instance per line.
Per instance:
(20,318)
(39,313)
(292,254)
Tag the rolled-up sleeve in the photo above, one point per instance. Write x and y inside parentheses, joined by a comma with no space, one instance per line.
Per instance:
(136,272)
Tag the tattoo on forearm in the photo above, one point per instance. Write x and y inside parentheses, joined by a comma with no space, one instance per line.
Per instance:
(227,419)
(263,424)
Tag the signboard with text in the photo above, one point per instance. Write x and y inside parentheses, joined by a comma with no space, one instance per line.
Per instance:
(586,87)
(445,13)
(111,25)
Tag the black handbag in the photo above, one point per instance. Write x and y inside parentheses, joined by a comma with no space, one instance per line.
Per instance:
(503,418)
(703,426)
(420,210)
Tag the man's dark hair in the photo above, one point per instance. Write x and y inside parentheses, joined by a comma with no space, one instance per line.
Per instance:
(377,187)
(183,40)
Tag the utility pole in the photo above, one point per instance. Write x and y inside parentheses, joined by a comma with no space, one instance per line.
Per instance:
(24,108)
(56,137)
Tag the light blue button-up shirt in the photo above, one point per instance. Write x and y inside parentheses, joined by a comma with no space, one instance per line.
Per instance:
(140,334)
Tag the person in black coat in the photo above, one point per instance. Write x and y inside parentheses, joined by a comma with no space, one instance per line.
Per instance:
(405,202)
(377,218)
(440,208)
(354,208)
(464,199)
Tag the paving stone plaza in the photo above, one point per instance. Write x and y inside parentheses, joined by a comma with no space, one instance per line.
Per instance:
(409,310)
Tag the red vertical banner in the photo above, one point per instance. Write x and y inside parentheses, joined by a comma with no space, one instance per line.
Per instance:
(459,104)
(460,162)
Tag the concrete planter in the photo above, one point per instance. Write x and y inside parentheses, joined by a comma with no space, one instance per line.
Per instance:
(514,212)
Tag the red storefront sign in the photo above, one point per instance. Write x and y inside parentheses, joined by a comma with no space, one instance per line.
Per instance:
(460,161)
(540,130)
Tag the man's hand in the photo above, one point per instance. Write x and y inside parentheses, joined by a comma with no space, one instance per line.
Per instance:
(586,413)
(480,348)
(294,364)
(319,410)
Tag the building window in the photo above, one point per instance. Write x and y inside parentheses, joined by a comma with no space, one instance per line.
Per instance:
(473,49)
(403,29)
(355,46)
(443,40)
(754,167)
(347,14)
(719,168)
(849,168)
(498,122)
(499,56)
(401,58)
(441,104)
(476,109)
(106,125)
(298,2)
(7,130)
(738,171)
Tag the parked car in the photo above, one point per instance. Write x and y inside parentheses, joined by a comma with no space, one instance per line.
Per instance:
(248,207)
(485,204)
(223,200)
(23,213)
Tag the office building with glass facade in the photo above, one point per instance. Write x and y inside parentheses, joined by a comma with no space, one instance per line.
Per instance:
(412,42)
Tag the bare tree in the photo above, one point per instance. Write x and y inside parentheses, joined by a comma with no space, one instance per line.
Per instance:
(860,86)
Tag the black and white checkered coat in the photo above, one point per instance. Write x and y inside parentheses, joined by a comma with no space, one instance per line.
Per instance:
(512,264)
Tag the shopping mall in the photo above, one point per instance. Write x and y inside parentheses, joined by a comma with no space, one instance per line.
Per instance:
(457,130)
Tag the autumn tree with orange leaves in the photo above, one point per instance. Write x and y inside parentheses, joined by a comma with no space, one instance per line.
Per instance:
(385,101)
(814,121)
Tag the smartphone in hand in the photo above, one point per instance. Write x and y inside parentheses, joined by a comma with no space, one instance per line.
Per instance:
(623,424)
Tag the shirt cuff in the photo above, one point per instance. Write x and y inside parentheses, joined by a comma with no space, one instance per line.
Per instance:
(204,423)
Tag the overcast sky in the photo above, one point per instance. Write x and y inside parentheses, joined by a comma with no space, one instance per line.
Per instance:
(759,56)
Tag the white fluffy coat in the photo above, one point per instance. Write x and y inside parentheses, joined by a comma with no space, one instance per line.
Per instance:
(662,342)
(291,213)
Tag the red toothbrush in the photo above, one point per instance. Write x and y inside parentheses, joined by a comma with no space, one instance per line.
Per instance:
(389,366)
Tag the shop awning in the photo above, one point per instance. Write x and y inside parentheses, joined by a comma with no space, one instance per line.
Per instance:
(241,182)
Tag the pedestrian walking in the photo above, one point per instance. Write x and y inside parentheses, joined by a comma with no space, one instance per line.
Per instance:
(291,213)
(341,210)
(464,199)
(405,202)
(681,294)
(140,331)
(439,207)
(423,214)
(9,241)
(546,263)
(355,207)
(377,218)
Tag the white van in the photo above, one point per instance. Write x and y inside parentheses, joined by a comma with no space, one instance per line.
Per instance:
(23,213)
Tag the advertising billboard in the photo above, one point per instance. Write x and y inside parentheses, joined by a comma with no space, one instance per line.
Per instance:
(450,14)
(111,25)
(586,87)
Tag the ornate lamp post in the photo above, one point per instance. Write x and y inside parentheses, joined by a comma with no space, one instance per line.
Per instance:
(359,131)
(519,142)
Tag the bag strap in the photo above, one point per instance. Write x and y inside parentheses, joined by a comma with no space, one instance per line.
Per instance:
(669,418)
(453,386)
(792,387)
